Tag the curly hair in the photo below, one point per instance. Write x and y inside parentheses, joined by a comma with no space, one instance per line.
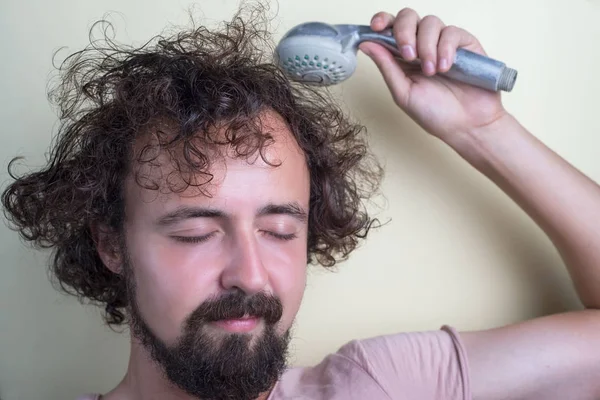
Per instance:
(194,81)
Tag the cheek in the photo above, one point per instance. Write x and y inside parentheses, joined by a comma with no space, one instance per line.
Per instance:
(287,277)
(170,282)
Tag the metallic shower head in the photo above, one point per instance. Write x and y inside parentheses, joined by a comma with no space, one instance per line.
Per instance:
(317,53)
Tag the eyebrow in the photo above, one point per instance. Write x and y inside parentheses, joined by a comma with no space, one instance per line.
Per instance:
(292,209)
(183,213)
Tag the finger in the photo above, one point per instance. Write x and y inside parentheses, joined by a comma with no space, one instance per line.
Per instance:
(428,37)
(451,39)
(395,78)
(405,33)
(381,21)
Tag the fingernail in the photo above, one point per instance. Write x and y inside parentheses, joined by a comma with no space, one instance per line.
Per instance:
(430,67)
(443,64)
(407,51)
(376,20)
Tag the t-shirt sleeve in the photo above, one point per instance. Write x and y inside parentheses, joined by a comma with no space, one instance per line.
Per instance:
(421,365)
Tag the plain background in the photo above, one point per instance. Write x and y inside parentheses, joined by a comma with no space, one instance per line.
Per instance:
(456,251)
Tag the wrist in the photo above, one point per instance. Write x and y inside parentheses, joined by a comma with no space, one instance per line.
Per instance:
(481,144)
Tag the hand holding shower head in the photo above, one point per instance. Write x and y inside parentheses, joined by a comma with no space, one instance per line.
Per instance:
(322,54)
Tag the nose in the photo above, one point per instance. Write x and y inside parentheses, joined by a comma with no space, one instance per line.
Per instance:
(245,270)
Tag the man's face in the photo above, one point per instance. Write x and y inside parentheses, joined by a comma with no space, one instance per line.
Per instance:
(194,258)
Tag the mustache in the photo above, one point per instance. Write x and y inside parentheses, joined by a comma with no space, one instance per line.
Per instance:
(236,305)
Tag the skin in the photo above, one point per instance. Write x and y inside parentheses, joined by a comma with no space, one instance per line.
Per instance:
(554,357)
(241,249)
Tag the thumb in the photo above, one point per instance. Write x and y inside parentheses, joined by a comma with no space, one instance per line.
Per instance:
(395,78)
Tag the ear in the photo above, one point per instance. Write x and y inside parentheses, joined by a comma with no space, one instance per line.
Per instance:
(107,246)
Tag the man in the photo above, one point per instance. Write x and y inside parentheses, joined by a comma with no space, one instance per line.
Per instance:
(192,183)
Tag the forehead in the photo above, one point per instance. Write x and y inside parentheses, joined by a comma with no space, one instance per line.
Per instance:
(278,173)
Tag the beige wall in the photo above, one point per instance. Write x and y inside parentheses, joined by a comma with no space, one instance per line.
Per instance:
(456,251)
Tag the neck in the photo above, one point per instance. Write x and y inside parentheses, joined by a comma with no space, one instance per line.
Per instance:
(145,380)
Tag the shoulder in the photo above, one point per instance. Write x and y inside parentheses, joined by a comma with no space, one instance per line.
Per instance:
(424,365)
(432,364)
(336,377)
(411,349)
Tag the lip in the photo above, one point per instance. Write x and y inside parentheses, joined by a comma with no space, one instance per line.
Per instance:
(241,325)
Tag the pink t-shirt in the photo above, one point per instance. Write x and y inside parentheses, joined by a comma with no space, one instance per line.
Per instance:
(405,366)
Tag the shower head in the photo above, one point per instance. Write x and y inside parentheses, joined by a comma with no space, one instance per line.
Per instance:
(317,53)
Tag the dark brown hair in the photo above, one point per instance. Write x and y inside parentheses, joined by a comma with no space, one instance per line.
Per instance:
(180,88)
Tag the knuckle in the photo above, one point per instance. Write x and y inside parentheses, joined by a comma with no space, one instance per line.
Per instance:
(454,33)
(408,12)
(426,53)
(446,52)
(450,38)
(452,30)
(447,49)
(430,57)
(447,38)
(432,19)
(404,37)
(383,15)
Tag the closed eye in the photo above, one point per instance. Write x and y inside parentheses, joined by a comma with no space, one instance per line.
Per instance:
(281,236)
(201,239)
(194,239)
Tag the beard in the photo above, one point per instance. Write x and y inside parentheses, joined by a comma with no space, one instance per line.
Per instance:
(219,366)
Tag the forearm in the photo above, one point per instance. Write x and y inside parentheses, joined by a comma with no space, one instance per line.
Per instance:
(560,199)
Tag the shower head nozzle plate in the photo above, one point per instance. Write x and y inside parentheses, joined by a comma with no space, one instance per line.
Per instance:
(315,60)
